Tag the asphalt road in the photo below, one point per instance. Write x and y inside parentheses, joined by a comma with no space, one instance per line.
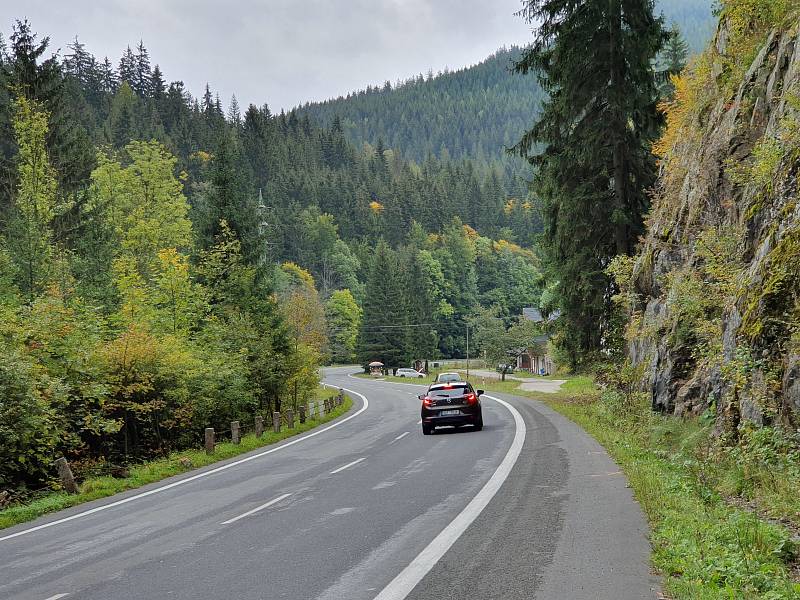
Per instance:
(530,507)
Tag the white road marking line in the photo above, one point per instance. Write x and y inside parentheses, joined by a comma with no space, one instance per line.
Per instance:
(291,442)
(404,583)
(256,509)
(348,465)
(399,437)
(56,597)
(419,422)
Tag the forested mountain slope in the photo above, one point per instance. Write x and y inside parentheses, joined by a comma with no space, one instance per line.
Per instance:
(168,265)
(474,112)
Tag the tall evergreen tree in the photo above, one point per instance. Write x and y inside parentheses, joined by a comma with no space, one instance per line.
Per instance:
(127,68)
(158,86)
(78,62)
(142,83)
(383,330)
(108,77)
(596,129)
(673,59)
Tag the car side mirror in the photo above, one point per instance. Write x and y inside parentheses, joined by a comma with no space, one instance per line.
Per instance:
(421,396)
(480,392)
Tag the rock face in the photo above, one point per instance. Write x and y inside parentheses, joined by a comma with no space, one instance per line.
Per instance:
(754,375)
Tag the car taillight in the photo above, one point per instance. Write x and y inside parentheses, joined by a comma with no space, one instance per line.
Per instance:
(471,399)
(427,401)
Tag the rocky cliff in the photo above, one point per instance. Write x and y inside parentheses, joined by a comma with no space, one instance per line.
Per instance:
(714,290)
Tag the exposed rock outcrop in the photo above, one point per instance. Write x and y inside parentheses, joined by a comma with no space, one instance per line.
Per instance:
(731,168)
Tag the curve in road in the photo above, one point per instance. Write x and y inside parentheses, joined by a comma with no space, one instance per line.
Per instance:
(355,511)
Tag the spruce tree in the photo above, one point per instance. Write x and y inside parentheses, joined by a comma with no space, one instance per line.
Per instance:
(673,60)
(142,83)
(158,87)
(591,146)
(383,332)
(108,77)
(127,68)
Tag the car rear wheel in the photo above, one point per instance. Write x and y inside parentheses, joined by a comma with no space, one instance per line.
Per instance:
(427,429)
(479,424)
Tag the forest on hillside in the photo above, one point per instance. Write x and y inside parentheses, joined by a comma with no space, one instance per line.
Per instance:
(476,112)
(168,264)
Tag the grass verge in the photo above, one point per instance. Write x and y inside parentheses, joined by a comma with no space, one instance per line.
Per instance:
(705,545)
(156,470)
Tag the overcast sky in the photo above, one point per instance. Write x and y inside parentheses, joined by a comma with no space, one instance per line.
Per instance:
(283,52)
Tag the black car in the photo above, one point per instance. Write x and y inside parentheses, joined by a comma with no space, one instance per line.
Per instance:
(453,403)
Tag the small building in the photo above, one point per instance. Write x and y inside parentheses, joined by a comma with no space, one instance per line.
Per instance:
(376,368)
(536,358)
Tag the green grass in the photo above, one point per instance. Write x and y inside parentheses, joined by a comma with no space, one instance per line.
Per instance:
(102,487)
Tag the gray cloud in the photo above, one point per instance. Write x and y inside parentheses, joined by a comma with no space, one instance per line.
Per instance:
(283,52)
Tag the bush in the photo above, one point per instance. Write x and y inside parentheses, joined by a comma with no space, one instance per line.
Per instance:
(28,421)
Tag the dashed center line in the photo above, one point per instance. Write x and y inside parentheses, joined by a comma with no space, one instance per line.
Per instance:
(57,596)
(399,437)
(348,465)
(256,509)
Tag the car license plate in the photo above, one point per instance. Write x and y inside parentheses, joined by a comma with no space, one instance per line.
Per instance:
(449,413)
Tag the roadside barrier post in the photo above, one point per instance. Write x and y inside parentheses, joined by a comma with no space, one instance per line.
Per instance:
(209,440)
(302,410)
(340,398)
(290,418)
(259,426)
(276,422)
(235,432)
(65,474)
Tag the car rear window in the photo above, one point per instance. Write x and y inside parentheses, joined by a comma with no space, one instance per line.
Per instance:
(449,392)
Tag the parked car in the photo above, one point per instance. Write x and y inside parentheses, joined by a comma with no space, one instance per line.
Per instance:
(447,377)
(453,404)
(409,373)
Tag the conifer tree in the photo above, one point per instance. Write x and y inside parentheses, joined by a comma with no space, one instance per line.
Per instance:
(108,77)
(126,70)
(158,86)
(79,62)
(673,60)
(595,131)
(142,83)
(383,327)
(234,113)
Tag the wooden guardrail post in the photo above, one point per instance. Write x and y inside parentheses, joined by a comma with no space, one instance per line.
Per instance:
(290,418)
(259,426)
(235,438)
(302,410)
(209,442)
(65,474)
(276,422)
